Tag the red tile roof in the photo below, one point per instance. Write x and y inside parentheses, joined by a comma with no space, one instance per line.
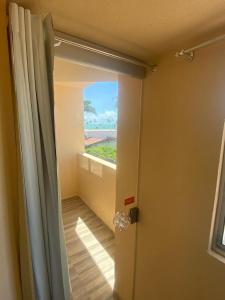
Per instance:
(92,141)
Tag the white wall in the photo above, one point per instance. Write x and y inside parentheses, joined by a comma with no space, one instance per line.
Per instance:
(69,135)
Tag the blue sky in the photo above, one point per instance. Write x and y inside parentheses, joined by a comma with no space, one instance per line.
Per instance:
(102,95)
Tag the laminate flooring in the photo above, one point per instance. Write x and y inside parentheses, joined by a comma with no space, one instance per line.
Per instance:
(90,250)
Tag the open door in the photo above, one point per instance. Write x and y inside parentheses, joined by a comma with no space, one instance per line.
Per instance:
(129,112)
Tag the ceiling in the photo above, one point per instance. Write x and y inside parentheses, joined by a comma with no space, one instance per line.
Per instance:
(143,28)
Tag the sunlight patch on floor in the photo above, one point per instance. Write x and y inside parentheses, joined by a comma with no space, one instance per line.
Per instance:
(100,256)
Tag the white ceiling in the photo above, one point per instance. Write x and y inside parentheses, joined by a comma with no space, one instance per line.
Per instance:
(142,28)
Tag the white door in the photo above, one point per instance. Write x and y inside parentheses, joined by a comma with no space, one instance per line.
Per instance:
(129,112)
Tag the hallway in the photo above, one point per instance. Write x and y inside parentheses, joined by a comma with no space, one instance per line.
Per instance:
(90,250)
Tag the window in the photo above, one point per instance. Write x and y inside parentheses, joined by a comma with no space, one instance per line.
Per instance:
(100,119)
(217,236)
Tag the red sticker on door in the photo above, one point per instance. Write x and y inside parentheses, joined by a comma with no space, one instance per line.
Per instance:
(129,200)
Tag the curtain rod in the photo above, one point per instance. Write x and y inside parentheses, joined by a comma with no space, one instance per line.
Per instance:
(189,53)
(61,37)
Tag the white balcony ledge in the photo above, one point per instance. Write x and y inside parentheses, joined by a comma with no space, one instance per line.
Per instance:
(99,160)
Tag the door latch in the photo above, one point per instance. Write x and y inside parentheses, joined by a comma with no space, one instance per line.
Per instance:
(133,215)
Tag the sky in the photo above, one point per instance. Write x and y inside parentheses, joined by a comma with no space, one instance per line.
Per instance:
(102,95)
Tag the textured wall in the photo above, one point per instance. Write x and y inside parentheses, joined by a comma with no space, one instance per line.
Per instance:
(183,117)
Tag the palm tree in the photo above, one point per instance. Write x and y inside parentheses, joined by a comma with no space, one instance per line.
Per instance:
(88,107)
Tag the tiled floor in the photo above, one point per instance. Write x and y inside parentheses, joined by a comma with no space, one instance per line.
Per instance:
(90,250)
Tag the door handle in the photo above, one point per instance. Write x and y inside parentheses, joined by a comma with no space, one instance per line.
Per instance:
(121,220)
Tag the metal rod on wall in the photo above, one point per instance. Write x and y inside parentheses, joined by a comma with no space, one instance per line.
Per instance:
(86,45)
(189,53)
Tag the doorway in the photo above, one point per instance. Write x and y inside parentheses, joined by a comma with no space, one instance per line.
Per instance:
(97,153)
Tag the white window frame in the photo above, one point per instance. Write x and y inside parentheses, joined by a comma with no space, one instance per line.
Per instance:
(216,247)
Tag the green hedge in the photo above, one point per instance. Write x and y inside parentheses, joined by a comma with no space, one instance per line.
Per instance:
(107,152)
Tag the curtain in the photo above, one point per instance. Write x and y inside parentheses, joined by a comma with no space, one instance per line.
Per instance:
(31,41)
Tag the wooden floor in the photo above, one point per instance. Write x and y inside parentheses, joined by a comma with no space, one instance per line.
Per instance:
(90,250)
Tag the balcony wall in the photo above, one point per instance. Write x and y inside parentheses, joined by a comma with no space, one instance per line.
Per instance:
(69,134)
(97,186)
